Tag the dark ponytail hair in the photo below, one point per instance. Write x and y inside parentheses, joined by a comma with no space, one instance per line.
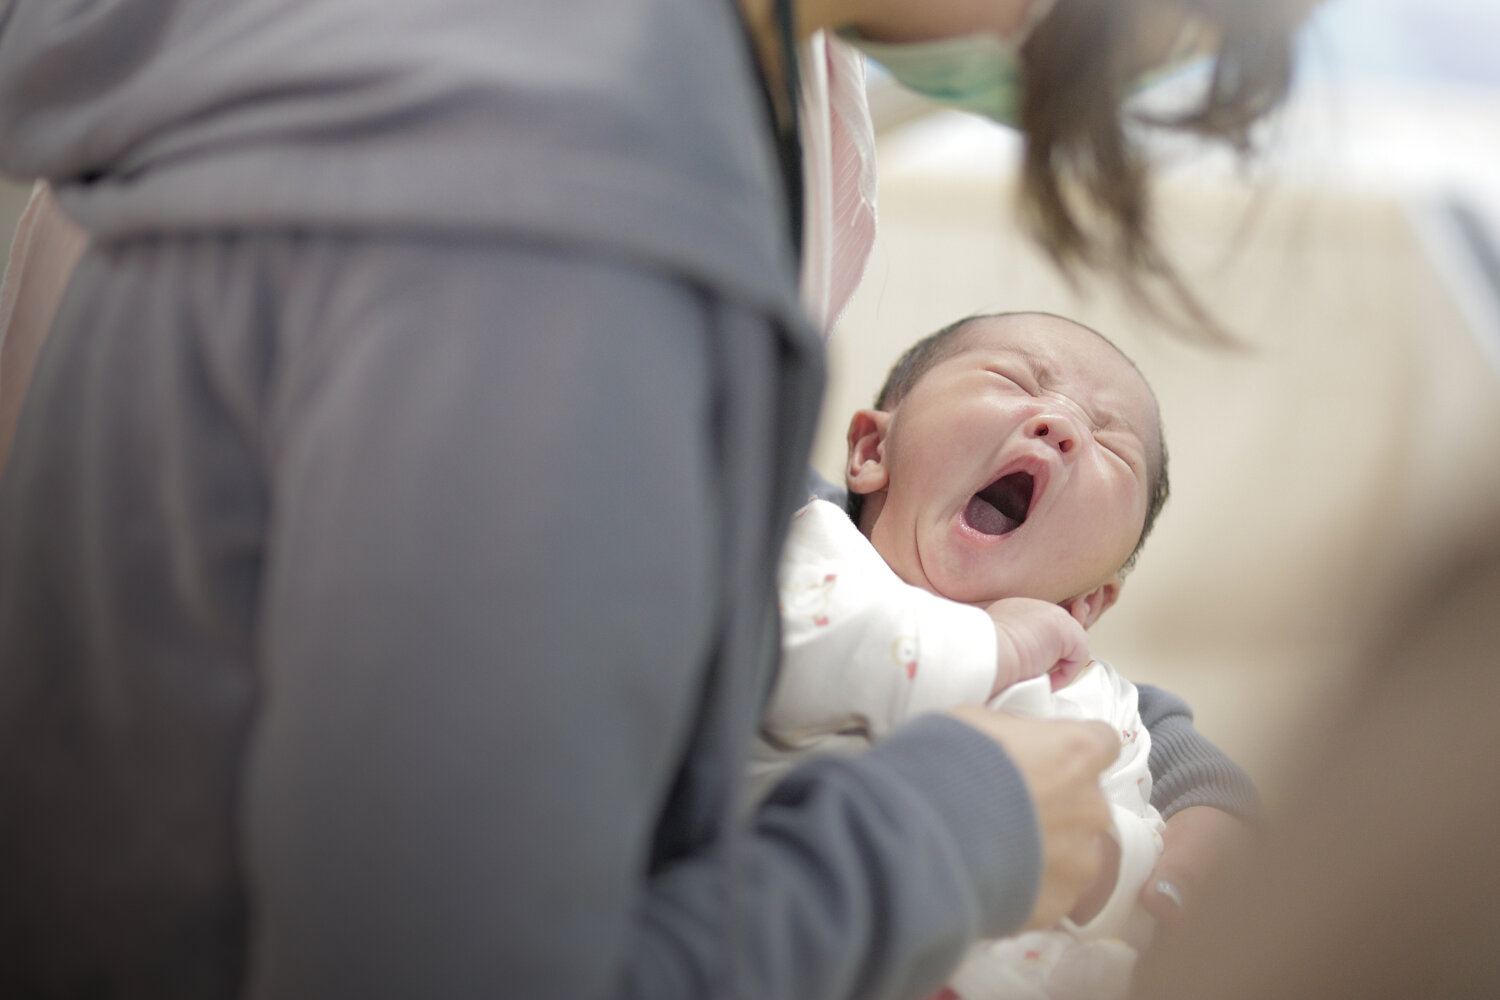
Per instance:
(1084,181)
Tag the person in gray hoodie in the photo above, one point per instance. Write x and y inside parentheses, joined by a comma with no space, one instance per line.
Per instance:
(387,548)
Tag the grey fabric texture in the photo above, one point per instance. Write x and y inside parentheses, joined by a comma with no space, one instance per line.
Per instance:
(1187,769)
(620,126)
(387,552)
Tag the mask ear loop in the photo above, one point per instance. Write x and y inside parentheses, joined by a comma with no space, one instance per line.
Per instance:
(788,130)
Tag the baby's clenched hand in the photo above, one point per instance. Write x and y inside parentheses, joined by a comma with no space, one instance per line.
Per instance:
(1034,637)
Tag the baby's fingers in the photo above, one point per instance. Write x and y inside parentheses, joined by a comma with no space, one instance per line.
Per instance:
(1073,652)
(1066,670)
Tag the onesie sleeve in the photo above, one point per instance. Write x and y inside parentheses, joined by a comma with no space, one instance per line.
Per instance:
(863,651)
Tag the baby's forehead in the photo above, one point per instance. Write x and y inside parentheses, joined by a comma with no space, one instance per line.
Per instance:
(1066,354)
(1056,345)
(1035,332)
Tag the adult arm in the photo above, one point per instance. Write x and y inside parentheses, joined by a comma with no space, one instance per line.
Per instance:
(1187,769)
(1210,804)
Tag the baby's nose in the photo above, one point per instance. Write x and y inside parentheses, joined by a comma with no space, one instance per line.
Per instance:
(1057,429)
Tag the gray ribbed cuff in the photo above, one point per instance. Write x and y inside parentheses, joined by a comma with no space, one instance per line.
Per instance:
(1188,770)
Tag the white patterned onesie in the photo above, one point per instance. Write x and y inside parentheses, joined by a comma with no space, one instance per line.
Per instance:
(863,651)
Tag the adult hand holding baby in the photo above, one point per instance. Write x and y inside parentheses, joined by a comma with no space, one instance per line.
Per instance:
(1060,761)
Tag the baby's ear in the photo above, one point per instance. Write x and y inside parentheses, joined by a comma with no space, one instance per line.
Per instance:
(1088,607)
(865,472)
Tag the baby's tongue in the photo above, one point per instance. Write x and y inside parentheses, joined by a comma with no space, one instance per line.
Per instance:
(986,518)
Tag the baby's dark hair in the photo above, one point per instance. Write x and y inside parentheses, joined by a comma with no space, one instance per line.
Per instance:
(919,359)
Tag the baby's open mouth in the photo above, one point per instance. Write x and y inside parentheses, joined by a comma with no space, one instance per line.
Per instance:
(1001,506)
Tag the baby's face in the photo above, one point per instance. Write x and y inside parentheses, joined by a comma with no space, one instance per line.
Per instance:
(1019,466)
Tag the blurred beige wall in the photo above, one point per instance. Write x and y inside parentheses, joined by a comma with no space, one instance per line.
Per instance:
(1313,474)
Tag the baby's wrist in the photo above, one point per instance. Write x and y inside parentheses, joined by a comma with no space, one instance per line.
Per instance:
(1010,667)
(1001,682)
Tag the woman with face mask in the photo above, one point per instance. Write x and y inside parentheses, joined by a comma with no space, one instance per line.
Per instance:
(386,551)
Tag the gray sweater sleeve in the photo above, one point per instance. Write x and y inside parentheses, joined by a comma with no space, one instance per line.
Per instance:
(1186,769)
(859,877)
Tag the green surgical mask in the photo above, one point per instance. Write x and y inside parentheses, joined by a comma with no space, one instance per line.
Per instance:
(982,72)
(979,73)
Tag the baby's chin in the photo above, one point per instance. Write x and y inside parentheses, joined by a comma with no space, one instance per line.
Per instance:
(981,594)
(957,583)
(912,573)
(969,591)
